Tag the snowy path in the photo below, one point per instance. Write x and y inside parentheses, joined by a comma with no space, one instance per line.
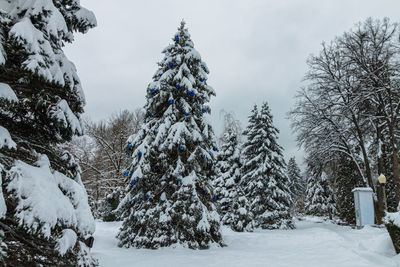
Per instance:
(311,244)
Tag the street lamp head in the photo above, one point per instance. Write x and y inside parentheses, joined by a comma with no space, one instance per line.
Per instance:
(382,179)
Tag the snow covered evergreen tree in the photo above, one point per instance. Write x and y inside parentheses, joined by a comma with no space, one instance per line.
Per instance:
(234,206)
(170,198)
(47,216)
(264,177)
(319,201)
(297,185)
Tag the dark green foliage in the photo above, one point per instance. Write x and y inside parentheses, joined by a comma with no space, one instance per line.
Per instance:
(347,179)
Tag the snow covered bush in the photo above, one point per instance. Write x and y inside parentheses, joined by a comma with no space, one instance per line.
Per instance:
(392,223)
(111,203)
(170,198)
(265,182)
(41,101)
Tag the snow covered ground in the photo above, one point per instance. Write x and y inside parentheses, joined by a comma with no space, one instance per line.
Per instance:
(313,243)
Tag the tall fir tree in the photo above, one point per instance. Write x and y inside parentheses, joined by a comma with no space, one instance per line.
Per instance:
(264,177)
(320,198)
(170,198)
(234,206)
(47,216)
(297,185)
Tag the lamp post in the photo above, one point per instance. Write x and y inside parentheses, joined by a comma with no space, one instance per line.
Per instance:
(381,195)
(382,182)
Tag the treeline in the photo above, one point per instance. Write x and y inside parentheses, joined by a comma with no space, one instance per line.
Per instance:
(104,157)
(347,115)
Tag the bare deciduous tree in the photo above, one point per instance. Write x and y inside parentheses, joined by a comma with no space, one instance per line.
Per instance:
(103,156)
(351,105)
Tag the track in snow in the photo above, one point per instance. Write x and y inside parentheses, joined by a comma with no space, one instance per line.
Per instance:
(311,244)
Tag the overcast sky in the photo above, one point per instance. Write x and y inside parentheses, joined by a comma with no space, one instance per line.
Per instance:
(256,50)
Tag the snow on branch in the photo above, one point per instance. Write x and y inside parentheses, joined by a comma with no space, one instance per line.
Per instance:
(66,242)
(7,93)
(5,139)
(43,202)
(63,113)
(3,207)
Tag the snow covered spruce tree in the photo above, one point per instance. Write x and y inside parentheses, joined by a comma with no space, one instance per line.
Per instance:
(264,177)
(46,217)
(234,206)
(297,185)
(170,198)
(319,200)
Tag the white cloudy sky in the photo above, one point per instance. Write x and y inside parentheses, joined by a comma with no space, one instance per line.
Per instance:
(256,50)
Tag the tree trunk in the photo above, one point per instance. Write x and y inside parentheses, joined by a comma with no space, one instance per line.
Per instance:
(395,164)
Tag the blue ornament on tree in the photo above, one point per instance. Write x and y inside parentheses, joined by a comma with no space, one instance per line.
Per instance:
(147,196)
(215,198)
(204,192)
(215,149)
(126,173)
(150,113)
(133,183)
(171,101)
(140,154)
(155,132)
(177,86)
(203,156)
(176,38)
(181,148)
(204,111)
(171,64)
(129,146)
(153,91)
(189,92)
(201,80)
(186,114)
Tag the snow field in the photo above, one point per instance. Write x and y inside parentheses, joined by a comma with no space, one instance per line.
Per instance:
(312,243)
